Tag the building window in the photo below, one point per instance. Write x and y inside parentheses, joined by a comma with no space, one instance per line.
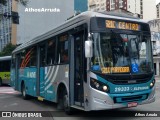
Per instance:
(112,1)
(120,4)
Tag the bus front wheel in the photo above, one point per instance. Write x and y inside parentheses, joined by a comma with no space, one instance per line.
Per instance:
(67,108)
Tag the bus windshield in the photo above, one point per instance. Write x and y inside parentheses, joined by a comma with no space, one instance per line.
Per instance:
(121,53)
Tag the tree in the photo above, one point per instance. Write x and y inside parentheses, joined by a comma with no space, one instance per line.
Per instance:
(7,50)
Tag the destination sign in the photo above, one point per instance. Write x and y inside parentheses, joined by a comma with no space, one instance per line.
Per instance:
(122,25)
(115,69)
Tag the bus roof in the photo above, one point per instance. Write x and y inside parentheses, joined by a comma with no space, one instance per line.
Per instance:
(73,22)
(5,58)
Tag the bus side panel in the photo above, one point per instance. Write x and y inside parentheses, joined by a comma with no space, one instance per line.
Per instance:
(54,76)
(49,86)
(42,82)
(28,75)
(13,78)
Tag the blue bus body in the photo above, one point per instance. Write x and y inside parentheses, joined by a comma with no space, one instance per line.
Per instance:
(103,81)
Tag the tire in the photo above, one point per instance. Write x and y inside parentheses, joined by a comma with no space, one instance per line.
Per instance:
(68,110)
(0,82)
(23,91)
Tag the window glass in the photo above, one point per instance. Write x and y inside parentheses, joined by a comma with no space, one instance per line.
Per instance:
(33,58)
(28,57)
(122,53)
(5,66)
(62,50)
(42,55)
(51,52)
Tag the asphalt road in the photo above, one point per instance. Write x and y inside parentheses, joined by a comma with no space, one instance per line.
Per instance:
(11,100)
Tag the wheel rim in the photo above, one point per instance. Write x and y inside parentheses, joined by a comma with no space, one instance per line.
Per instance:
(65,102)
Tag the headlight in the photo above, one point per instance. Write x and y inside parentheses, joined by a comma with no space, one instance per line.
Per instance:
(99,85)
(152,83)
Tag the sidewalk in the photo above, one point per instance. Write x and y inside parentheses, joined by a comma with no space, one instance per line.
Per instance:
(157,78)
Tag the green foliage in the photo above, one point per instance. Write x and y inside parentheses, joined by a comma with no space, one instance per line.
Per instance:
(7,50)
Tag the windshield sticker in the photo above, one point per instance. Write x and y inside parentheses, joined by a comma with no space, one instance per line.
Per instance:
(95,67)
(115,69)
(135,68)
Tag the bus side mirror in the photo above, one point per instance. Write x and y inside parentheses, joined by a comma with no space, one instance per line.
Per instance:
(88,49)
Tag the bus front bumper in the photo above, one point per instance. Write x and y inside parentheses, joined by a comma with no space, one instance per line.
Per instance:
(103,101)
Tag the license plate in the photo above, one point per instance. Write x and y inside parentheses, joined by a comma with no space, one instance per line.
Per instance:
(133,104)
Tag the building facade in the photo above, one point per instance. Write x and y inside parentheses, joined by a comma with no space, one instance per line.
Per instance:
(145,8)
(97,5)
(40,16)
(158,10)
(5,24)
(14,26)
(155,38)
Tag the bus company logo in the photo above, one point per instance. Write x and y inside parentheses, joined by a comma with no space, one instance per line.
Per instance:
(6,114)
(21,115)
(36,10)
(31,74)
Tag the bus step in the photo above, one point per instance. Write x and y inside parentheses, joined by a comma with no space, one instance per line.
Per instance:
(77,107)
(40,98)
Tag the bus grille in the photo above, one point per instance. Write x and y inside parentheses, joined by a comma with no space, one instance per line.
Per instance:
(130,98)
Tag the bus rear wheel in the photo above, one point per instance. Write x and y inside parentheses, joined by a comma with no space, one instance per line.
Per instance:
(23,91)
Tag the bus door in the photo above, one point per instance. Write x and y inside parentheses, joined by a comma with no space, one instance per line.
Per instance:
(41,71)
(17,68)
(78,69)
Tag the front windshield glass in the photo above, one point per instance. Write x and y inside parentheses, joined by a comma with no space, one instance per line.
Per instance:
(121,53)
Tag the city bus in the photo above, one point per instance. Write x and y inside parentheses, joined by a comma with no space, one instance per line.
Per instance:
(93,61)
(5,65)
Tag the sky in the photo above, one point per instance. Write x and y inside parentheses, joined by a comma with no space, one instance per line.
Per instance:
(157,1)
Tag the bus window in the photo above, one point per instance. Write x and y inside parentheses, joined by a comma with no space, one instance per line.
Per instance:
(51,52)
(42,55)
(63,50)
(33,59)
(28,57)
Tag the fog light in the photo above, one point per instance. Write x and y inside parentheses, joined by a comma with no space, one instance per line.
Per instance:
(105,88)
